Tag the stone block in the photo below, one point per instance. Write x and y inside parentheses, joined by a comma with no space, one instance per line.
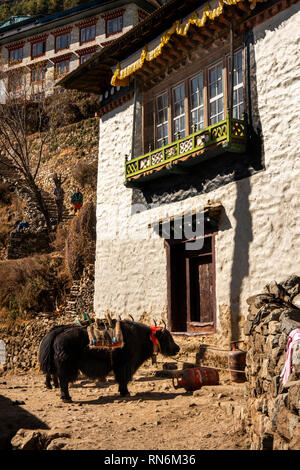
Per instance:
(247,327)
(274,327)
(290,320)
(296,360)
(293,399)
(279,443)
(282,341)
(276,289)
(295,441)
(286,423)
(292,284)
(296,301)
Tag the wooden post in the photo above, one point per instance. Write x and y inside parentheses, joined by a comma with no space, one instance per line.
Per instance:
(134,119)
(232,63)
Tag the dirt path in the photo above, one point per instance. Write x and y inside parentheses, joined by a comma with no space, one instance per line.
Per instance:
(154,417)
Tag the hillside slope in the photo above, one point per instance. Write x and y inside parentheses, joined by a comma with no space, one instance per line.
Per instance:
(35,7)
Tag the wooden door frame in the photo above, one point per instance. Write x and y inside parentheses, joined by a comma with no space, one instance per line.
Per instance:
(204,329)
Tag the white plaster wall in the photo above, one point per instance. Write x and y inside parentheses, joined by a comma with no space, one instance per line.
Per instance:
(258,239)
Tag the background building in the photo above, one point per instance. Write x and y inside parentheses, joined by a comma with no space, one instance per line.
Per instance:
(37,51)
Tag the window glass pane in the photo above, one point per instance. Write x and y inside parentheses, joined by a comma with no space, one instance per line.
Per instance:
(162,120)
(238,106)
(115,25)
(216,99)
(38,49)
(88,33)
(196,103)
(84,58)
(63,42)
(62,67)
(16,55)
(179,111)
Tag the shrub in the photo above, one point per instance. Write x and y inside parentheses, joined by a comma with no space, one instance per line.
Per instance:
(80,242)
(71,106)
(29,285)
(86,173)
(5,193)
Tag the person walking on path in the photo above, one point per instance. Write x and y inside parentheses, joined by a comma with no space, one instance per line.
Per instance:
(59,195)
(77,200)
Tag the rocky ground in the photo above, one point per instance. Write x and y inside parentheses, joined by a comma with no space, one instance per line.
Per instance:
(155,417)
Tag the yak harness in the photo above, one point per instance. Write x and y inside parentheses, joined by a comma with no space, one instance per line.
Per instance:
(103,336)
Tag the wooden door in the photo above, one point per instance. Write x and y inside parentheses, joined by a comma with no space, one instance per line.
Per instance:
(191,288)
(201,292)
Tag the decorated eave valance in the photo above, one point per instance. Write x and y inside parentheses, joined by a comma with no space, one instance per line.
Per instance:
(87,50)
(123,70)
(61,58)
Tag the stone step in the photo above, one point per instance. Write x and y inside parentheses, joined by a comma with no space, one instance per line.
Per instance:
(74,291)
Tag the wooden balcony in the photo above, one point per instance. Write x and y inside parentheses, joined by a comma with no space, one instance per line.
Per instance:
(229,135)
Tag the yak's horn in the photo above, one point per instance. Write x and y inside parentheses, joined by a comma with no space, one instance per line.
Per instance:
(155,322)
(109,319)
(164,324)
(131,317)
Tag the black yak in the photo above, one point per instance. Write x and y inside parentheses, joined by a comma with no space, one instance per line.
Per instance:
(65,350)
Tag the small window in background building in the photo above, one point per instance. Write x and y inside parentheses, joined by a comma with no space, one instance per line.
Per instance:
(38,49)
(84,58)
(62,42)
(16,55)
(38,74)
(61,68)
(88,33)
(115,25)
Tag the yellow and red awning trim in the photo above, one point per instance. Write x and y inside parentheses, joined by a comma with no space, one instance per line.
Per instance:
(152,50)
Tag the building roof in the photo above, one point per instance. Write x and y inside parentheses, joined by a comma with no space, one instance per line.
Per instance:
(97,73)
(15,20)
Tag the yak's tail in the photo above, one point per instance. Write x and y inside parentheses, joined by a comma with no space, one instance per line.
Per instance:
(45,356)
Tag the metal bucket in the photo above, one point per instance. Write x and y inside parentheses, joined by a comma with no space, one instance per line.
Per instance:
(193,379)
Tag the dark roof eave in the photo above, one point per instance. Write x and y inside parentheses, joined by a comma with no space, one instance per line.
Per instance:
(129,42)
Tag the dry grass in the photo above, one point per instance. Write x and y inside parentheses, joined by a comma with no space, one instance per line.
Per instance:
(5,193)
(29,285)
(11,209)
(80,241)
(86,174)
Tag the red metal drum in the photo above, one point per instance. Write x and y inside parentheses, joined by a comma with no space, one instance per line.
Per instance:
(193,379)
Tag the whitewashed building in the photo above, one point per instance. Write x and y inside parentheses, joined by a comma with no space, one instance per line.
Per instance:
(179,137)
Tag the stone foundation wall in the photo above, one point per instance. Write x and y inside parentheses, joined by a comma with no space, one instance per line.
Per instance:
(27,243)
(273,408)
(22,341)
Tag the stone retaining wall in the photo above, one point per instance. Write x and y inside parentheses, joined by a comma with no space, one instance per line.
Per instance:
(27,243)
(273,409)
(22,341)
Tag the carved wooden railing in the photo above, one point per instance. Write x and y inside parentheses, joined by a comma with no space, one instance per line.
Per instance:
(230,134)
